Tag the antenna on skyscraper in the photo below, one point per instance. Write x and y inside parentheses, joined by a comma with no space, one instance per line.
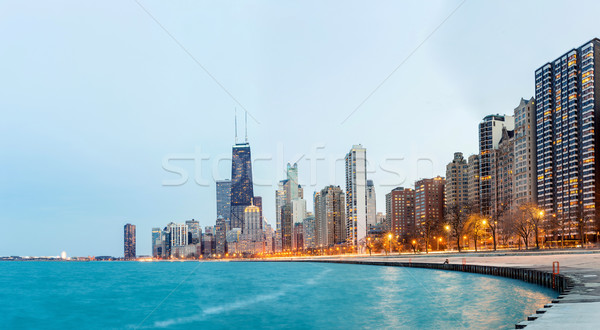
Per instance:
(235,120)
(246,124)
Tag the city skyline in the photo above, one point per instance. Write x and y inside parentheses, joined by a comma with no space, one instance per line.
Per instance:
(83,165)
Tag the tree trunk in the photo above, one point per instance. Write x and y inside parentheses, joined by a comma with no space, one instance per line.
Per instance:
(494,237)
(458,242)
(475,243)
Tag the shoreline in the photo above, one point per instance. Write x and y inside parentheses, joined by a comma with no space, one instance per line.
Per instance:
(577,282)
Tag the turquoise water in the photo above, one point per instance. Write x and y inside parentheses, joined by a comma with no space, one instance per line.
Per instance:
(70,295)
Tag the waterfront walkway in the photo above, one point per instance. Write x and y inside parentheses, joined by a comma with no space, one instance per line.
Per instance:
(578,306)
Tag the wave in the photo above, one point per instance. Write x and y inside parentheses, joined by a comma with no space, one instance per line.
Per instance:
(229,307)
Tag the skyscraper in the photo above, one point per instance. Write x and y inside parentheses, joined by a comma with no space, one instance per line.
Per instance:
(157,242)
(221,228)
(457,181)
(290,207)
(490,133)
(567,129)
(503,174)
(241,183)
(129,241)
(194,232)
(429,205)
(474,182)
(356,196)
(330,220)
(400,211)
(309,235)
(525,181)
(371,204)
(224,199)
(178,234)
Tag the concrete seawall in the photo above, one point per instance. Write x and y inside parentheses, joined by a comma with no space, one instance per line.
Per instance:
(558,282)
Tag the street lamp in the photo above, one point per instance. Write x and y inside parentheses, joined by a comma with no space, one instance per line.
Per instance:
(448,241)
(438,243)
(390,239)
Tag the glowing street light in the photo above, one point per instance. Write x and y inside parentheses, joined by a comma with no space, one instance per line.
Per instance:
(390,238)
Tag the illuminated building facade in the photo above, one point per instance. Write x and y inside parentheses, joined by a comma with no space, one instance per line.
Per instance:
(356,196)
(241,183)
(567,112)
(525,182)
(457,181)
(474,182)
(371,204)
(224,198)
(129,241)
(400,211)
(490,133)
(429,203)
(330,219)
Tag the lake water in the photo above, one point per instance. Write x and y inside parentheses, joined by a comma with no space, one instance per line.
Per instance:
(73,295)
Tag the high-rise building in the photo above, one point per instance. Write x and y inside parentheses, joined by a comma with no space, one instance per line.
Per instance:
(309,235)
(356,196)
(503,173)
(224,198)
(567,114)
(194,232)
(129,241)
(474,183)
(157,243)
(381,218)
(330,219)
(257,201)
(429,204)
(298,237)
(242,190)
(252,230)
(292,177)
(178,234)
(490,133)
(290,207)
(221,228)
(371,204)
(400,211)
(208,243)
(233,239)
(457,181)
(525,181)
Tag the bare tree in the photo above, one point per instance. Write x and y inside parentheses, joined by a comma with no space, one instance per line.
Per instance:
(475,226)
(429,227)
(522,226)
(456,217)
(535,217)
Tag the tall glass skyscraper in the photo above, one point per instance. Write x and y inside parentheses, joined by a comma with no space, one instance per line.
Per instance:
(356,196)
(566,136)
(224,199)
(241,183)
(129,241)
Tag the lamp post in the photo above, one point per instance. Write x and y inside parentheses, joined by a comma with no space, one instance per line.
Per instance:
(448,241)
(390,240)
(438,243)
(484,222)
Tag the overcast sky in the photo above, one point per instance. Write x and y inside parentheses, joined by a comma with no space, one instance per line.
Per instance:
(97,99)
